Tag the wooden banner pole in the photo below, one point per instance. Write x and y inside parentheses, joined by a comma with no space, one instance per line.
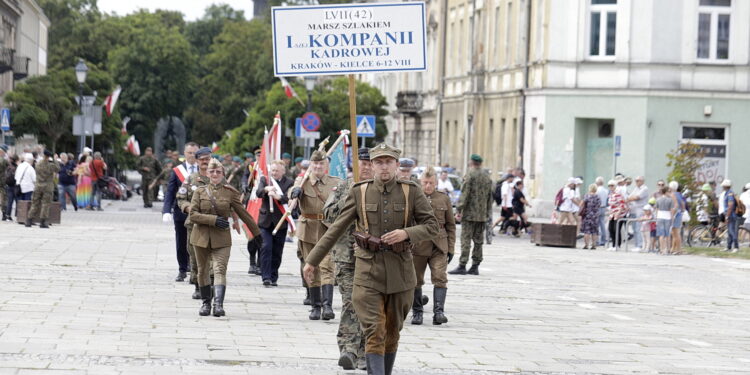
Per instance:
(353,120)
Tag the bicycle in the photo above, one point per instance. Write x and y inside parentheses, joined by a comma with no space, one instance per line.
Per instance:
(715,234)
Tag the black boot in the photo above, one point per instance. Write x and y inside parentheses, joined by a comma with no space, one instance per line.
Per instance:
(251,270)
(347,360)
(460,270)
(219,300)
(327,291)
(197,292)
(438,315)
(28,222)
(206,297)
(390,359)
(316,303)
(474,270)
(43,224)
(425,299)
(416,308)
(375,364)
(307,301)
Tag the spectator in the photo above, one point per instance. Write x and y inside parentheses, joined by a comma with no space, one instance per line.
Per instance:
(745,200)
(83,185)
(98,179)
(570,204)
(506,202)
(621,187)
(617,210)
(730,215)
(577,216)
(665,210)
(519,208)
(9,174)
(603,193)
(648,227)
(659,184)
(637,199)
(273,244)
(680,208)
(444,183)
(26,177)
(590,215)
(66,182)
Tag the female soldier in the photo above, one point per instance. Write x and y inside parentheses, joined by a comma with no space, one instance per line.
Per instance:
(210,209)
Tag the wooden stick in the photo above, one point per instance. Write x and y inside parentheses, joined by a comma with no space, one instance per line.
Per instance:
(353,121)
(281,222)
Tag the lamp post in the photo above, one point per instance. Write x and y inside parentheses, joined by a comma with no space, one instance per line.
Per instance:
(81,71)
(310,86)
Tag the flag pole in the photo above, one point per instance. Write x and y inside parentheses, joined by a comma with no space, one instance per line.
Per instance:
(353,121)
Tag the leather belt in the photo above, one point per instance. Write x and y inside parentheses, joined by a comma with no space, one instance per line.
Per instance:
(313,216)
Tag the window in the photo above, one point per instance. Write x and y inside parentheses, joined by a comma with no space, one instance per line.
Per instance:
(603,28)
(713,29)
(704,133)
(508,22)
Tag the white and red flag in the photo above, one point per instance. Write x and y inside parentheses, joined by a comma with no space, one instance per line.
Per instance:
(111,100)
(132,146)
(214,147)
(289,90)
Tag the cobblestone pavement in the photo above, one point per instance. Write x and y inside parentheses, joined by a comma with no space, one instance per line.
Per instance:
(96,295)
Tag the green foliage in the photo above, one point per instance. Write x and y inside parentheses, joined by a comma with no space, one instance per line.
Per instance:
(329,100)
(685,161)
(202,32)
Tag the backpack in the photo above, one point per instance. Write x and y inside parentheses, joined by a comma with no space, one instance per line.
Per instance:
(559,198)
(10,176)
(497,195)
(739,207)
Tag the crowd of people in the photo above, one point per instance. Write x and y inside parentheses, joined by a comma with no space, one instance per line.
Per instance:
(625,207)
(40,176)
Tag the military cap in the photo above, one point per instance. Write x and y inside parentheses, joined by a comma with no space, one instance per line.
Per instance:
(384,150)
(286,155)
(298,159)
(405,163)
(47,153)
(248,155)
(476,158)
(237,159)
(202,152)
(364,153)
(318,155)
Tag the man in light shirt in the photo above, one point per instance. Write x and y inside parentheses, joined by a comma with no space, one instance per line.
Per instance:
(444,183)
(636,200)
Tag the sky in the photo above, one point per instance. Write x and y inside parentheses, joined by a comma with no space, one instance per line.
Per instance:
(192,9)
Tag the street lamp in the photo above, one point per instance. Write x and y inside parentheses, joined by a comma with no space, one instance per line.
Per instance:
(81,71)
(310,85)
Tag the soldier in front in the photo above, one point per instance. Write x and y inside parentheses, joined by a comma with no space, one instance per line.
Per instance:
(384,277)
(210,209)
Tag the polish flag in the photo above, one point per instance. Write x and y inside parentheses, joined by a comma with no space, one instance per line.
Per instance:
(288,90)
(111,100)
(214,147)
(132,146)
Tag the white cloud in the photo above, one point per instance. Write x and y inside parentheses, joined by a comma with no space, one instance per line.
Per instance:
(192,9)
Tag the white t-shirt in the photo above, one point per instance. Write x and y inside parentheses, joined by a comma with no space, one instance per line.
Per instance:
(25,177)
(745,198)
(568,205)
(445,186)
(642,194)
(507,193)
(721,202)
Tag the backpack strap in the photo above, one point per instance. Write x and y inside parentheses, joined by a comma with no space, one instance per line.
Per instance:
(406,207)
(363,191)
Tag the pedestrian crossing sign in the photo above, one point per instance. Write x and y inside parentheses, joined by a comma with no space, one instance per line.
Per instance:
(365,126)
(5,119)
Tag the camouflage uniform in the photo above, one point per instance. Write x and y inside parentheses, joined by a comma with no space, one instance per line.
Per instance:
(43,190)
(349,336)
(184,197)
(475,206)
(148,176)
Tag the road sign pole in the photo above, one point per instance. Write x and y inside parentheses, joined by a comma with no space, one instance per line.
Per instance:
(353,120)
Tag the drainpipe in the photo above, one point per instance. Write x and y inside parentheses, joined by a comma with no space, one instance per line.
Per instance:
(441,85)
(522,130)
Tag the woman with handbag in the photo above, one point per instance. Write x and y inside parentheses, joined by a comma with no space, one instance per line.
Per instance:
(25,178)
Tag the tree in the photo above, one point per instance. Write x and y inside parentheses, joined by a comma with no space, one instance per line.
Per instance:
(329,100)
(685,162)
(201,33)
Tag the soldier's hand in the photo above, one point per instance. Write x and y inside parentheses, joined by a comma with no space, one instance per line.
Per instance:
(296,192)
(450,257)
(309,272)
(458,217)
(222,222)
(146,169)
(236,227)
(396,236)
(166,218)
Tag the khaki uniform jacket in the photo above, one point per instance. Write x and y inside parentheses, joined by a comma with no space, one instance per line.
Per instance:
(446,238)
(202,214)
(185,193)
(45,175)
(385,208)
(310,230)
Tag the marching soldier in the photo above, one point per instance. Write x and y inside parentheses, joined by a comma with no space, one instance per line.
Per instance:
(405,167)
(474,207)
(312,195)
(349,336)
(384,277)
(210,209)
(149,168)
(44,188)
(437,252)
(184,198)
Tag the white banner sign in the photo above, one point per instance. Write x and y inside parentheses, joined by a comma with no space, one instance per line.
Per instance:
(350,38)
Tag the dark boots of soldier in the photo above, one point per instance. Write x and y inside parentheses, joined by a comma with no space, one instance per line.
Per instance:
(347,361)
(375,364)
(43,224)
(206,297)
(438,306)
(197,292)
(474,270)
(425,299)
(28,222)
(460,270)
(327,291)
(307,301)
(390,359)
(416,308)
(316,303)
(219,300)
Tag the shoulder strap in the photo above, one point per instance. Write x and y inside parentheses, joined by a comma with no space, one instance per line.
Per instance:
(363,191)
(211,198)
(406,208)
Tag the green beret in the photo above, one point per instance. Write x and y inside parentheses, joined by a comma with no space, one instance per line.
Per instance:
(476,158)
(298,159)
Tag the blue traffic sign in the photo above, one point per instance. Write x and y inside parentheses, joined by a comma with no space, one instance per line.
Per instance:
(618,145)
(311,121)
(366,126)
(5,119)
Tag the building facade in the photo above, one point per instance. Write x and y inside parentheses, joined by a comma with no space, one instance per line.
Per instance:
(23,42)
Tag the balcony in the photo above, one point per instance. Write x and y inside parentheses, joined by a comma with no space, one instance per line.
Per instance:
(409,102)
(20,67)
(6,60)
